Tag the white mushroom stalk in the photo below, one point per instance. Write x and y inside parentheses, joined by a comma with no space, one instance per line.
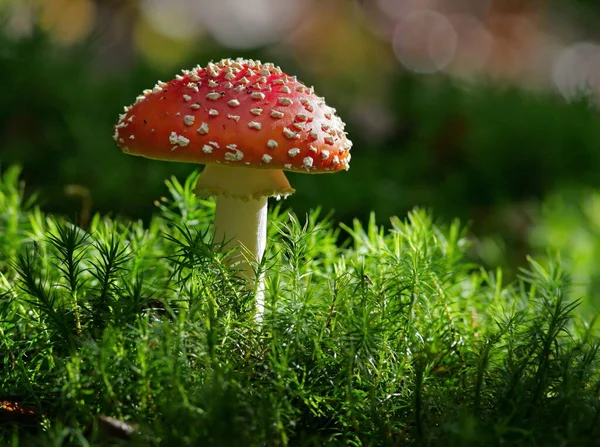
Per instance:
(242,226)
(240,221)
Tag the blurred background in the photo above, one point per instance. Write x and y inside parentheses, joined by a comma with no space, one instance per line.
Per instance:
(484,110)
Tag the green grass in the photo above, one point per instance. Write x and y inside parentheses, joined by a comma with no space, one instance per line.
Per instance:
(389,338)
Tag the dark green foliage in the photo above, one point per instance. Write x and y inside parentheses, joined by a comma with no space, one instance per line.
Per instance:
(391,337)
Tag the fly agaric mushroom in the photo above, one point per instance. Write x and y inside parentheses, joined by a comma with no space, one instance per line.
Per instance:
(247,122)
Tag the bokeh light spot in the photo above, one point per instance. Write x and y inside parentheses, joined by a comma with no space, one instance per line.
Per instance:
(576,70)
(67,21)
(425,42)
(177,19)
(250,23)
(158,49)
(474,45)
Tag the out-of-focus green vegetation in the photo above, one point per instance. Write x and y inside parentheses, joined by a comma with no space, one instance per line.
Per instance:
(569,224)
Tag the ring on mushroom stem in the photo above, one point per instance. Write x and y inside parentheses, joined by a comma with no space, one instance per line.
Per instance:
(247,122)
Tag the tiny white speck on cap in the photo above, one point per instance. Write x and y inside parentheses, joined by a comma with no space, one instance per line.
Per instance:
(233,102)
(299,88)
(279,81)
(257,95)
(299,126)
(272,144)
(301,117)
(254,125)
(287,166)
(203,129)
(325,154)
(213,96)
(243,80)
(192,86)
(267,158)
(290,134)
(293,152)
(284,101)
(187,98)
(231,147)
(276,114)
(262,79)
(265,72)
(195,106)
(207,149)
(214,143)
(285,89)
(132,137)
(307,162)
(130,119)
(256,111)
(235,156)
(178,139)
(314,135)
(229,76)
(328,139)
(336,160)
(189,120)
(228,85)
(212,83)
(233,117)
(213,112)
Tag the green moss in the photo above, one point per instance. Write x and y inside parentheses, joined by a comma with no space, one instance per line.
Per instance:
(392,337)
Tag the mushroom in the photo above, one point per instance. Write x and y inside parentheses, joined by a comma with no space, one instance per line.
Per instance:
(247,122)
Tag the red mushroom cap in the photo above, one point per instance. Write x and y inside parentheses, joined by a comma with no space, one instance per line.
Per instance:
(239,113)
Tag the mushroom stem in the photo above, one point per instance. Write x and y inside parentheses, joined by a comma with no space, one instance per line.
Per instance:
(241,214)
(242,224)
